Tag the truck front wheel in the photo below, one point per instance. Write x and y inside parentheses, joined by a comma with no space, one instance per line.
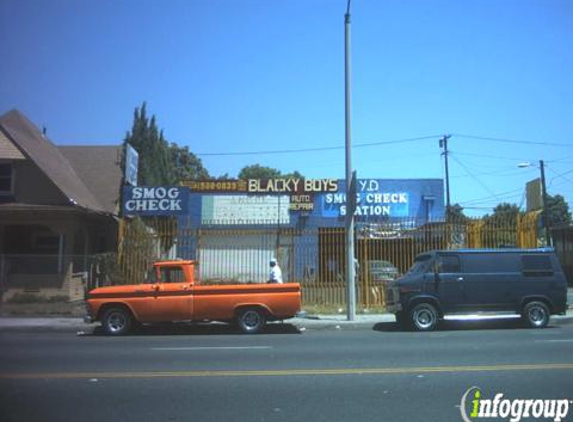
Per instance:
(117,321)
(251,320)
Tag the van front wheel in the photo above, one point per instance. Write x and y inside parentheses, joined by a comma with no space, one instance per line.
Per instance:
(536,314)
(424,317)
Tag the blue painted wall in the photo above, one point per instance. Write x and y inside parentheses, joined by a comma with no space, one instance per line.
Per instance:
(379,200)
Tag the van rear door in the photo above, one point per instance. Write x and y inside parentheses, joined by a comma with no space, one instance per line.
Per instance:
(542,276)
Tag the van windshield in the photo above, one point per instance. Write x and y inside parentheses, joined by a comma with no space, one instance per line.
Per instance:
(420,264)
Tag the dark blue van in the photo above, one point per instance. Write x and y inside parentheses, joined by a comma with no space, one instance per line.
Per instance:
(529,282)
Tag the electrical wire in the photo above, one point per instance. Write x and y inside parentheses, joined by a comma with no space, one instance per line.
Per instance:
(560,175)
(497,157)
(497,201)
(501,195)
(512,141)
(398,141)
(472,175)
(293,151)
(495,173)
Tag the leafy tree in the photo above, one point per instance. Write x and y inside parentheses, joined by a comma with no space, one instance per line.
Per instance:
(500,228)
(157,167)
(256,171)
(222,177)
(161,163)
(186,165)
(455,213)
(559,213)
(294,175)
(155,162)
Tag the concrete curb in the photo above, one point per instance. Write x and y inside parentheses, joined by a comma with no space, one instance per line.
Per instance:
(317,322)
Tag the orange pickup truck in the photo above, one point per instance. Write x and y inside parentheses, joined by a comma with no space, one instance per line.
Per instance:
(174,293)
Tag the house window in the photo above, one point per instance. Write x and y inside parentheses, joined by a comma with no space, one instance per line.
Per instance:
(6,178)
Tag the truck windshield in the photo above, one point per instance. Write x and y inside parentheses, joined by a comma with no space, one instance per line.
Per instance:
(420,264)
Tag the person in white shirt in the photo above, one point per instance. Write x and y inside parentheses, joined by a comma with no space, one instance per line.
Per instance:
(276,275)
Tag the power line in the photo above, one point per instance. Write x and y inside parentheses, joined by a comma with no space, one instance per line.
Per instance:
(473,176)
(561,160)
(504,172)
(469,154)
(560,175)
(500,195)
(292,151)
(496,201)
(397,141)
(512,141)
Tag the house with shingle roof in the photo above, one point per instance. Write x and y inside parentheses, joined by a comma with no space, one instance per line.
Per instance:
(58,208)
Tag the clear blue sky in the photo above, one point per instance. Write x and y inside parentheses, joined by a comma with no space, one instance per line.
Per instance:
(250,75)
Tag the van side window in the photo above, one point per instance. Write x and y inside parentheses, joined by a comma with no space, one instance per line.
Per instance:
(449,264)
(480,263)
(172,275)
(537,265)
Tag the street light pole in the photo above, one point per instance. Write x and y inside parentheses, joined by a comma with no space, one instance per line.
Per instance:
(349,220)
(545,208)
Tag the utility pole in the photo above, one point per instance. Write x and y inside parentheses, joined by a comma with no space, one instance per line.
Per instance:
(444,146)
(546,222)
(349,220)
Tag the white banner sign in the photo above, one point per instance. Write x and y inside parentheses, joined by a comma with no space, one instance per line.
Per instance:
(243,209)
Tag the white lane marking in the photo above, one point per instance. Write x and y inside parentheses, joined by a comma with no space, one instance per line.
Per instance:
(163,349)
(555,341)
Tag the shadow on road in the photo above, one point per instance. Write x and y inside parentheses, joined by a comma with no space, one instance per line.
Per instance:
(491,324)
(186,329)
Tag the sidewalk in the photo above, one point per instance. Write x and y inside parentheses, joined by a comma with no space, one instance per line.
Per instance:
(311,322)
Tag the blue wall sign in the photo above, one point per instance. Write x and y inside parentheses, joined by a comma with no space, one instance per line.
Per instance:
(155,200)
(379,204)
(387,198)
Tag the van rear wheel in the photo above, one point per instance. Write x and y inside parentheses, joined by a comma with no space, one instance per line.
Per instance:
(536,315)
(424,317)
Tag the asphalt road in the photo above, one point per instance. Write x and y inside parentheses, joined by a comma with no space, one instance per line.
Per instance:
(198,374)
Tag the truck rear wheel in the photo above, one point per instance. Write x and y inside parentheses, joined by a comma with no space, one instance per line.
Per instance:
(251,320)
(117,321)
